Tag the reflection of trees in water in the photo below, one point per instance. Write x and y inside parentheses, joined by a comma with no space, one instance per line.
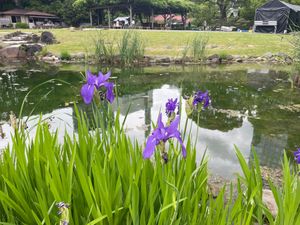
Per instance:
(256,93)
(269,147)
(265,78)
(15,85)
(216,120)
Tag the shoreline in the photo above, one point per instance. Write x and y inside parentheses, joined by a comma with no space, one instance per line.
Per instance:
(215,59)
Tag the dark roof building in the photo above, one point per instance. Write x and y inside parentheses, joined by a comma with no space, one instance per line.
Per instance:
(26,12)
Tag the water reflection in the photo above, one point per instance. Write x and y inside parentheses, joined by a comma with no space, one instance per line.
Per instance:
(245,109)
(219,144)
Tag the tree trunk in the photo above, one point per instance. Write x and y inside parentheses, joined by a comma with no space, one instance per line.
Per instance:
(91,18)
(223,10)
(152,18)
(141,18)
(130,14)
(108,16)
(17,2)
(183,19)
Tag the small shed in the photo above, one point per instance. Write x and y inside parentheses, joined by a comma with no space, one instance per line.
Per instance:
(121,22)
(277,16)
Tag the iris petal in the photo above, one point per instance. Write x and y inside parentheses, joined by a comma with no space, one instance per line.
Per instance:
(150,147)
(183,149)
(173,126)
(109,91)
(160,124)
(91,78)
(87,93)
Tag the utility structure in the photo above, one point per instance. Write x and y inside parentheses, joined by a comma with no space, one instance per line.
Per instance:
(277,17)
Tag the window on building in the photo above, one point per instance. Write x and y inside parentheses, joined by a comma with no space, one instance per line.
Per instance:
(15,19)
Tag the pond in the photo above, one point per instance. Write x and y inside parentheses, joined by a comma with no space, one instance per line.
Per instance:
(252,106)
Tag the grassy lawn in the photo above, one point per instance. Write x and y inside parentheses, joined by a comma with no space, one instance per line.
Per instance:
(172,43)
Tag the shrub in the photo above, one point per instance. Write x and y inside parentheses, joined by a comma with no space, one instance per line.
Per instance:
(65,55)
(223,55)
(20,25)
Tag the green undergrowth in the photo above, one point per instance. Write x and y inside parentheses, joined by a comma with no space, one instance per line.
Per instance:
(101,173)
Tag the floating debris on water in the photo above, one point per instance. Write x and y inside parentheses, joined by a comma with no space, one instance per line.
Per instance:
(278,90)
(292,108)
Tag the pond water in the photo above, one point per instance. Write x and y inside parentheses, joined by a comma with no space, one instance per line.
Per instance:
(252,106)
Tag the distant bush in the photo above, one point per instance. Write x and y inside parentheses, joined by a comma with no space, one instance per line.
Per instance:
(65,55)
(22,25)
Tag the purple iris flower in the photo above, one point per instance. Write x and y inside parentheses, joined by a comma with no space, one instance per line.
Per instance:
(162,134)
(297,155)
(201,97)
(171,106)
(95,82)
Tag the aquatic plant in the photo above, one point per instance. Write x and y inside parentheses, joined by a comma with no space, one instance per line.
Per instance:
(95,83)
(198,101)
(104,50)
(297,155)
(171,106)
(131,47)
(102,174)
(201,98)
(159,137)
(198,47)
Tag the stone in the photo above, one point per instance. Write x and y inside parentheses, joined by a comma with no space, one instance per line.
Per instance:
(229,57)
(79,55)
(47,38)
(282,55)
(13,52)
(14,34)
(31,49)
(288,60)
(215,60)
(163,60)
(213,56)
(239,60)
(268,55)
(35,38)
(269,201)
(51,59)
